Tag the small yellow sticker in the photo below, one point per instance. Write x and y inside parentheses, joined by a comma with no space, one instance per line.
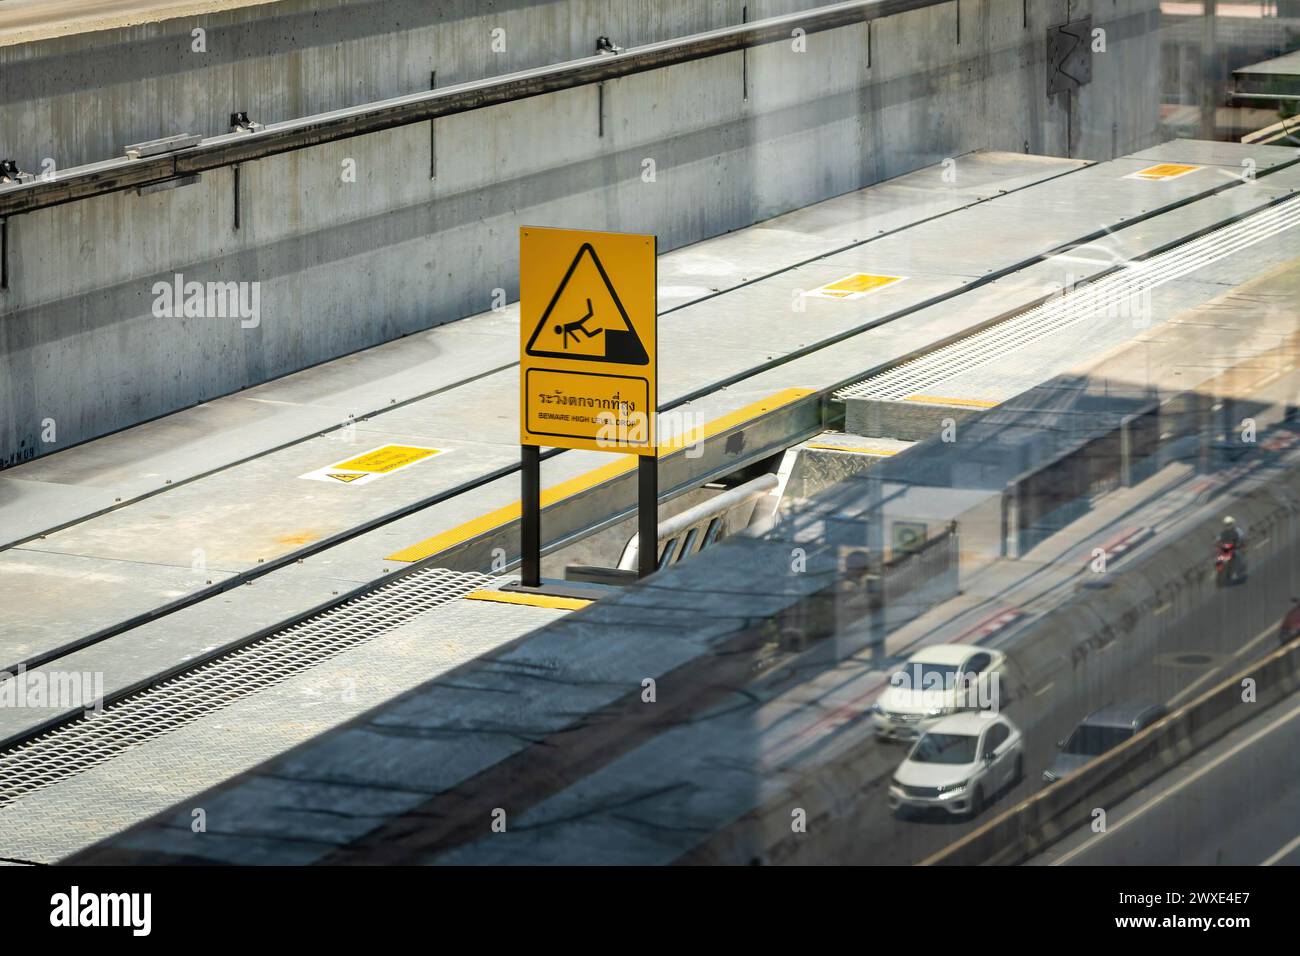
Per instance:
(1163,171)
(388,458)
(854,286)
(372,464)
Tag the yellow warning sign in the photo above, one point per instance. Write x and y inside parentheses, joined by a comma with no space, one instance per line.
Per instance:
(587,324)
(1163,171)
(854,286)
(373,464)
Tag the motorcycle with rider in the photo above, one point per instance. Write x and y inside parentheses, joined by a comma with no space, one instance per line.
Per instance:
(1230,562)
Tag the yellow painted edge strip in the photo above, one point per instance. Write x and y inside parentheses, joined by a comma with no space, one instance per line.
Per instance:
(531,600)
(589,479)
(853,449)
(941,400)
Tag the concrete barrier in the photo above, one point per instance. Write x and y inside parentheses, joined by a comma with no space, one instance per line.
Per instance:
(1034,825)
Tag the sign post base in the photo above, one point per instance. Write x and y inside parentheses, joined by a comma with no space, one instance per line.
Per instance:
(530,517)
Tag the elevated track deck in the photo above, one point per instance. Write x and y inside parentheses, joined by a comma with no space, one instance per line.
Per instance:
(242,547)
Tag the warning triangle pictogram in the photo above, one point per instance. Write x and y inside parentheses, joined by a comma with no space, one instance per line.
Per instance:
(345,477)
(585,319)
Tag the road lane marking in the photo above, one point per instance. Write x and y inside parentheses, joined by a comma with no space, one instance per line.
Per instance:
(1195,684)
(1282,852)
(1215,670)
(1267,632)
(1156,801)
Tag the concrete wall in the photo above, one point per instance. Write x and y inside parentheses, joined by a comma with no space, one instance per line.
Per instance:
(345,265)
(81,98)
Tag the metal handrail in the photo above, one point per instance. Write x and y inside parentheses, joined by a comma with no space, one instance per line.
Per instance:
(115,175)
(701,519)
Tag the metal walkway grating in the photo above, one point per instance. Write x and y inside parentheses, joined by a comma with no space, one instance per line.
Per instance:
(90,740)
(1107,297)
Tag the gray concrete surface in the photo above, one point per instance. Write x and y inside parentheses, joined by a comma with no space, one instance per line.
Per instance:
(54,822)
(714,777)
(260,511)
(343,265)
(161,455)
(1234,804)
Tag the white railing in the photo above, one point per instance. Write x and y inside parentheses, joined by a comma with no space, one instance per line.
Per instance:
(703,525)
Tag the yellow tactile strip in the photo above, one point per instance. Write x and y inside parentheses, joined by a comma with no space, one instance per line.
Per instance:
(580,483)
(531,600)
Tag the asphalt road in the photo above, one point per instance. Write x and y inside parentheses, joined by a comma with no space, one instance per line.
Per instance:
(1210,642)
(1236,803)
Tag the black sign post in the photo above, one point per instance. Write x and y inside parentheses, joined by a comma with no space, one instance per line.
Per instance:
(647,526)
(530,528)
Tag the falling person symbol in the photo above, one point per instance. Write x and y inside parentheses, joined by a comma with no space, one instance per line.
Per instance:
(573,328)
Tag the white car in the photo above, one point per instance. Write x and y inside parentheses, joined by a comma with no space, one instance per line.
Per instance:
(936,681)
(959,765)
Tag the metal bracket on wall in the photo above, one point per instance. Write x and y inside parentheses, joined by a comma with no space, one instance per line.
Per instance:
(433,132)
(1069,56)
(79,183)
